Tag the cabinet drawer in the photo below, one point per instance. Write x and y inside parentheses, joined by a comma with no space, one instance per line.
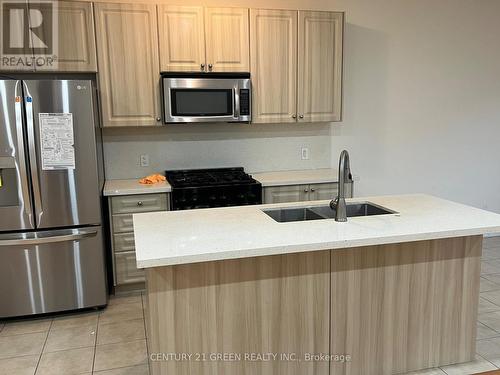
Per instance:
(122,223)
(138,203)
(126,269)
(123,242)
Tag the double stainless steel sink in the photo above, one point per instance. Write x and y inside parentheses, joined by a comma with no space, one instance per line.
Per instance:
(284,215)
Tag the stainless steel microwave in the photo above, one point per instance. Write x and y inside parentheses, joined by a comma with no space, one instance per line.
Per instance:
(206,97)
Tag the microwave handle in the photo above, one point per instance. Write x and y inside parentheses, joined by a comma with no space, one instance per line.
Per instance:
(236,103)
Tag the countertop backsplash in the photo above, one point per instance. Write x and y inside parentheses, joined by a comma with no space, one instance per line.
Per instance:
(256,147)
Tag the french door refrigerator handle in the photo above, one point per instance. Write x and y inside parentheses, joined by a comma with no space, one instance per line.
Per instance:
(72,235)
(32,153)
(23,173)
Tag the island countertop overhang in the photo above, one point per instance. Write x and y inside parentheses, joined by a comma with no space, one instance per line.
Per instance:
(192,236)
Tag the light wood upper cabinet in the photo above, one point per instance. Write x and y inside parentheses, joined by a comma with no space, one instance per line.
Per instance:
(273,51)
(296,65)
(227,39)
(182,38)
(76,50)
(319,66)
(198,39)
(127,46)
(18,55)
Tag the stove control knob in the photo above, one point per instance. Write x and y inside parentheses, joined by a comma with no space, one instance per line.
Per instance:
(139,203)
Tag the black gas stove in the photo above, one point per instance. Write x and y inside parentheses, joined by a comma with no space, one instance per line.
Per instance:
(220,187)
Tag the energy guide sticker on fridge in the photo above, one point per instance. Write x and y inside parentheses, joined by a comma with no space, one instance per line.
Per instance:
(57,141)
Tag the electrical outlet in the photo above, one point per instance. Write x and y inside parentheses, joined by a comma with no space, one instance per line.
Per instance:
(144,160)
(304,153)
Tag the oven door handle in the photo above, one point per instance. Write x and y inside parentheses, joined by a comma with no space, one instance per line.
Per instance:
(61,236)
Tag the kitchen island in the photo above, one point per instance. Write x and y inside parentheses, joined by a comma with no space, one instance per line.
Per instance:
(233,291)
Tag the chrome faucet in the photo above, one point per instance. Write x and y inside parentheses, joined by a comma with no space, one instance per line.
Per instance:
(338,204)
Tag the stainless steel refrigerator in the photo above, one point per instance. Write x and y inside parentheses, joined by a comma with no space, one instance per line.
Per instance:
(51,245)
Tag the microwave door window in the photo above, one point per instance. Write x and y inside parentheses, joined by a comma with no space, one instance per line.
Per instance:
(202,102)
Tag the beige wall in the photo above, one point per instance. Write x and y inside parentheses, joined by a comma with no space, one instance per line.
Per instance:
(422,100)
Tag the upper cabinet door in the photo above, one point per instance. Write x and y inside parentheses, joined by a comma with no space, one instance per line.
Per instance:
(227,39)
(76,39)
(16,53)
(320,66)
(127,50)
(273,54)
(182,38)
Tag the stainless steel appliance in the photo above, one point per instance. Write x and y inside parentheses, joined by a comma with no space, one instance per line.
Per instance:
(218,187)
(51,246)
(206,97)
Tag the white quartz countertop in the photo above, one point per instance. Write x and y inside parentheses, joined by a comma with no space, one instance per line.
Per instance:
(181,237)
(299,177)
(131,187)
(276,178)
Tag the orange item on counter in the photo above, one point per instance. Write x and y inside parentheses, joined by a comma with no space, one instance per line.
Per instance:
(152,179)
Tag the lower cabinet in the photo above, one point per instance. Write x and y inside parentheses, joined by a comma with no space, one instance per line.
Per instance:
(287,193)
(125,271)
(301,193)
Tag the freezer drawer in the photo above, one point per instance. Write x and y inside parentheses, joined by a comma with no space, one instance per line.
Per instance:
(51,271)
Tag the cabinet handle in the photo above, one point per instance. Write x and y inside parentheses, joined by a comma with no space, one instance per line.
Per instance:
(158,119)
(210,67)
(301,116)
(294,116)
(139,203)
(313,190)
(306,190)
(202,66)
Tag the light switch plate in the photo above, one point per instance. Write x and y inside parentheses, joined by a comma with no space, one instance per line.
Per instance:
(304,153)
(144,160)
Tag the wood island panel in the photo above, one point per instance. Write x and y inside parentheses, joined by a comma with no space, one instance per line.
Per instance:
(276,304)
(402,307)
(391,308)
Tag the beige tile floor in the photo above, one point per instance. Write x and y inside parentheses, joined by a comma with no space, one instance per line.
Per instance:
(107,342)
(113,341)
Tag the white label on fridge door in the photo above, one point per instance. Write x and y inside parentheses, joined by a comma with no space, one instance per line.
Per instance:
(57,141)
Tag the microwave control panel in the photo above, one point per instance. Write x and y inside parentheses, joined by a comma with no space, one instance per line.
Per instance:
(244,102)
